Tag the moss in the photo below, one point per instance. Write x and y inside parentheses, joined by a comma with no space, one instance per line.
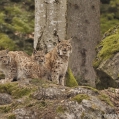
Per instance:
(11,116)
(91,88)
(61,109)
(6,42)
(5,109)
(80,97)
(108,47)
(70,80)
(14,89)
(106,99)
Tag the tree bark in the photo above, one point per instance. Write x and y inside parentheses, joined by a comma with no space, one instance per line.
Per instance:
(83,19)
(60,19)
(50,23)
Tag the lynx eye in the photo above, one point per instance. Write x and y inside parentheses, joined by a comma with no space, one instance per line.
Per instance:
(54,43)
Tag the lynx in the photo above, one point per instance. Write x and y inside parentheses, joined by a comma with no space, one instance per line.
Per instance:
(8,66)
(57,61)
(29,66)
(19,65)
(38,57)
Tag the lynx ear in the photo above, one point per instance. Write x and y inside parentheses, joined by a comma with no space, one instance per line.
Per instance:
(59,40)
(7,50)
(70,39)
(71,49)
(58,49)
(34,51)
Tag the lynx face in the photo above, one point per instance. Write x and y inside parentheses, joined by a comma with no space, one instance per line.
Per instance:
(64,48)
(38,56)
(4,58)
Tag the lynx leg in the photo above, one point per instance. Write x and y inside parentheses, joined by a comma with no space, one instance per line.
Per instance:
(62,80)
(55,78)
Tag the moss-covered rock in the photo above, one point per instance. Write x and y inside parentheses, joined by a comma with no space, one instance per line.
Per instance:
(78,102)
(14,90)
(106,61)
(106,98)
(70,80)
(80,97)
(107,49)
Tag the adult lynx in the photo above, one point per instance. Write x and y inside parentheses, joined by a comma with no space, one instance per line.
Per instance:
(57,61)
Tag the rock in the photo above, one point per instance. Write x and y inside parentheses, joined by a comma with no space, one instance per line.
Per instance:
(49,93)
(5,99)
(23,113)
(50,101)
(60,92)
(114,97)
(88,103)
(110,67)
(106,62)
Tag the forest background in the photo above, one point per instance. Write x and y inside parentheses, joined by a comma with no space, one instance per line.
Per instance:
(17,22)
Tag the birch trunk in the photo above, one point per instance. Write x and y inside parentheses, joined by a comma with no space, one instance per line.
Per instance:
(61,19)
(50,23)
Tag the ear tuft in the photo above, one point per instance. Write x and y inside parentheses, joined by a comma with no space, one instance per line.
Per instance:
(34,51)
(70,39)
(7,50)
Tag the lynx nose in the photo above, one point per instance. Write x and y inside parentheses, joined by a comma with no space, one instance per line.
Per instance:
(64,49)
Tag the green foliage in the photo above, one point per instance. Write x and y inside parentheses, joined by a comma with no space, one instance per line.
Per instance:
(2,15)
(70,80)
(106,99)
(13,10)
(108,47)
(6,42)
(21,26)
(14,89)
(80,97)
(17,21)
(109,15)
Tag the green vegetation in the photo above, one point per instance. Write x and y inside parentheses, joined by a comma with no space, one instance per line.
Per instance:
(108,47)
(6,42)
(70,80)
(109,14)
(106,99)
(5,109)
(14,89)
(61,109)
(17,22)
(80,97)
(91,88)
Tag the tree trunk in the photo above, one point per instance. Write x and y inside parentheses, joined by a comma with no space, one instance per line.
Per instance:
(50,23)
(83,19)
(61,19)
